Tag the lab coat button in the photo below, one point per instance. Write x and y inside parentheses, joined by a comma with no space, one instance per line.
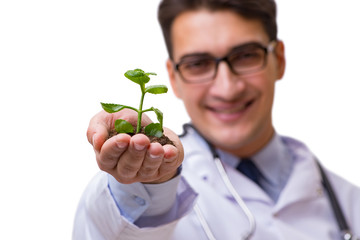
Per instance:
(139,201)
(319,192)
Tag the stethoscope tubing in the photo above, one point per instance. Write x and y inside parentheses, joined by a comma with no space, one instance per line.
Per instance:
(238,199)
(339,215)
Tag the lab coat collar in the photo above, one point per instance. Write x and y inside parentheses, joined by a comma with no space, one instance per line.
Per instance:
(203,166)
(304,182)
(274,162)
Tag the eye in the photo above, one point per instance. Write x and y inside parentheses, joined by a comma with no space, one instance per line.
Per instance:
(197,66)
(247,57)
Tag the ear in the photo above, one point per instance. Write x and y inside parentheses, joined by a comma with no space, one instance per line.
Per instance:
(171,73)
(280,59)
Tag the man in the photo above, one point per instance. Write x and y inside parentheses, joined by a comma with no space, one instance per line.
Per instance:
(224,61)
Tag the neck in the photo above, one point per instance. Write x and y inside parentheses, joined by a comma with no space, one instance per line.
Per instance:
(253,146)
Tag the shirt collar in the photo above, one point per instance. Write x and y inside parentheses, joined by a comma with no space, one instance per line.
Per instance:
(273,161)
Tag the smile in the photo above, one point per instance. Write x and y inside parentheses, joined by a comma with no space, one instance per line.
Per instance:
(230,112)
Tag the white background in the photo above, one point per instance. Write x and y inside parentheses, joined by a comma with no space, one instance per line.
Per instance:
(59,59)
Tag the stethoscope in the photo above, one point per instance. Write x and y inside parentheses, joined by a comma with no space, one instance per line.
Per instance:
(339,215)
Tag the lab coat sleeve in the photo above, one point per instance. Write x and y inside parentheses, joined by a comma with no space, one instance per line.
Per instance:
(147,205)
(98,217)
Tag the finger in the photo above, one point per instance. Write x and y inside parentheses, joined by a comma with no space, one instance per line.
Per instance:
(172,160)
(112,150)
(173,157)
(98,140)
(98,130)
(153,159)
(175,139)
(102,123)
(132,159)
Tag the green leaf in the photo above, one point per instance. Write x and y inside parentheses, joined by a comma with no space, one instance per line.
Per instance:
(123,126)
(156,89)
(159,115)
(112,108)
(154,129)
(151,73)
(138,76)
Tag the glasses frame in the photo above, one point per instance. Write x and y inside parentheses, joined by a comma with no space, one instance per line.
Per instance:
(267,49)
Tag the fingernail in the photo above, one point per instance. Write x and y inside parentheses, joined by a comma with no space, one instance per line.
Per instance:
(154,156)
(121,144)
(170,159)
(139,147)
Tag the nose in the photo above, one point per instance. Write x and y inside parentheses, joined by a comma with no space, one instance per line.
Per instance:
(226,85)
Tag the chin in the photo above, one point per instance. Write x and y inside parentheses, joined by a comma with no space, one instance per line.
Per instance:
(229,138)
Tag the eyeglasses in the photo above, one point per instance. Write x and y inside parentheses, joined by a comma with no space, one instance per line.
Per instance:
(244,59)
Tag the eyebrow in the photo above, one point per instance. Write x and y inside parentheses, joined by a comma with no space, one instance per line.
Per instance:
(195,55)
(207,55)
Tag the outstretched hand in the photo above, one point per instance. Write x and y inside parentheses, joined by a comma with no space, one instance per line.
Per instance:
(133,159)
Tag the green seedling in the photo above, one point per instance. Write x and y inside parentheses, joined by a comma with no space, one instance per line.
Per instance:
(122,126)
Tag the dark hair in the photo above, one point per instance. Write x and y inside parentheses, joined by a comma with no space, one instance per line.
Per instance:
(263,10)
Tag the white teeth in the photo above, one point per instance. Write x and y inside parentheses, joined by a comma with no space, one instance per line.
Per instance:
(230,111)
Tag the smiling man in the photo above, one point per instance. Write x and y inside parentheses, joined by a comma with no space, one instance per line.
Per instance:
(230,171)
(228,101)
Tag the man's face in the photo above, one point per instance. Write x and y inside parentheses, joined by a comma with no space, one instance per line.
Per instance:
(232,111)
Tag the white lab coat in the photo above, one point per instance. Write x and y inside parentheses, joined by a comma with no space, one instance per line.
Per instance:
(302,211)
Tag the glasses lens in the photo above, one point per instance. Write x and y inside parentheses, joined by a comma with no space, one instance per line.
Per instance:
(244,59)
(247,59)
(197,69)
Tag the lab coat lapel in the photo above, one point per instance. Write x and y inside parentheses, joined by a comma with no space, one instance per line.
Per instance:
(203,166)
(206,171)
(304,182)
